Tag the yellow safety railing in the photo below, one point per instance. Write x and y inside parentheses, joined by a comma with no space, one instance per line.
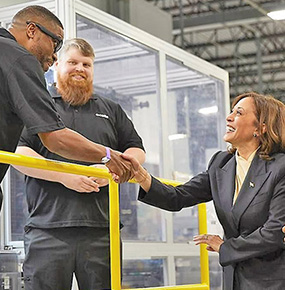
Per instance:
(17,159)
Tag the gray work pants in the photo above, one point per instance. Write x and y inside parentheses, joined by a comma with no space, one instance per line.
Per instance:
(53,255)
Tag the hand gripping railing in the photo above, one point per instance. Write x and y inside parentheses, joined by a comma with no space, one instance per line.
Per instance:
(17,159)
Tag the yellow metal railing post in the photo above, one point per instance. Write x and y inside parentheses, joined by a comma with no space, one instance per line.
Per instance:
(114,217)
(204,257)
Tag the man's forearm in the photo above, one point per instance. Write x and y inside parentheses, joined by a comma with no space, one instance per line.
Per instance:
(75,182)
(34,172)
(72,145)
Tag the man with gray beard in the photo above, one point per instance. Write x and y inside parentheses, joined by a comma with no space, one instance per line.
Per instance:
(67,230)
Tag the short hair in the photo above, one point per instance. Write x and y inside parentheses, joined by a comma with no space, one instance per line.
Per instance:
(271,113)
(82,45)
(35,11)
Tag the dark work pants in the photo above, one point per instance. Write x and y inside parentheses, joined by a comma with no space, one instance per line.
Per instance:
(53,255)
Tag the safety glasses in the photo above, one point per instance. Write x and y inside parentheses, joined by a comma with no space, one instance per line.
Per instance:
(57,40)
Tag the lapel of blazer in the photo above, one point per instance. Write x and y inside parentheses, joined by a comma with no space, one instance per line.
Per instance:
(254,180)
(226,184)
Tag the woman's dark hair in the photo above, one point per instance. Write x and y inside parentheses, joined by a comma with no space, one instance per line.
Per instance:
(270,114)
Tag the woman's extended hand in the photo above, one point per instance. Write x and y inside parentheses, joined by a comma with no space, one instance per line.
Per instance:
(139,173)
(213,241)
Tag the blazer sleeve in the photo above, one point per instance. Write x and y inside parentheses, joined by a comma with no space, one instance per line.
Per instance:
(266,239)
(195,191)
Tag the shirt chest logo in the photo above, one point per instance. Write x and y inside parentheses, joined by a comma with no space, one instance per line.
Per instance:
(102,115)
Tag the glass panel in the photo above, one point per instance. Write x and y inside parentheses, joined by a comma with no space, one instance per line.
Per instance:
(143,273)
(19,209)
(127,72)
(195,107)
(141,222)
(188,271)
(196,111)
(185,225)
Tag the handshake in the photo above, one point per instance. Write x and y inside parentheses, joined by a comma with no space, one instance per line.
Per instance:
(126,166)
(122,166)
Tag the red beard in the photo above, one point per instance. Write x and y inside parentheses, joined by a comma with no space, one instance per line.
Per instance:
(75,92)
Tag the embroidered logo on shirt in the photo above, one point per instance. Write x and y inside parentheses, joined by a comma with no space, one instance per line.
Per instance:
(102,115)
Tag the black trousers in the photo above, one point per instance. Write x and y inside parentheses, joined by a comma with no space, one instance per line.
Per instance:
(53,255)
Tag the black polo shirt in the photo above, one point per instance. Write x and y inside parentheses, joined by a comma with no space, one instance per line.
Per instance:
(52,205)
(24,99)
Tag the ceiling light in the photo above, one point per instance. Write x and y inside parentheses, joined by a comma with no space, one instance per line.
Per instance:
(277,15)
(208,110)
(176,137)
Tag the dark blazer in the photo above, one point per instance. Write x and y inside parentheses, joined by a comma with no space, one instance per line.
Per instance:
(252,254)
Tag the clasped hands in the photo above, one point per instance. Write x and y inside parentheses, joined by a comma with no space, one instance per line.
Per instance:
(123,167)
(83,184)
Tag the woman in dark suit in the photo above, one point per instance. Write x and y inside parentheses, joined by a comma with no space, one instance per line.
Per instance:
(247,186)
